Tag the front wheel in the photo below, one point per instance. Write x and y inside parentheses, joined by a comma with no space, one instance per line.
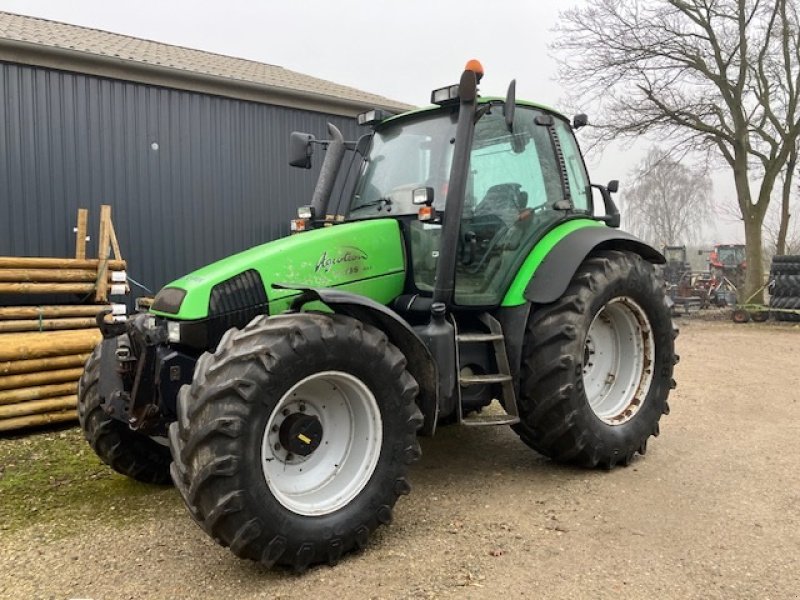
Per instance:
(597,364)
(293,442)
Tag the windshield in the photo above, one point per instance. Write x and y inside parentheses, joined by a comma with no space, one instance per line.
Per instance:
(674,254)
(731,255)
(403,156)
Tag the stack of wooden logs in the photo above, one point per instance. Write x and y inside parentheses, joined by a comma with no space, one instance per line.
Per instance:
(43,347)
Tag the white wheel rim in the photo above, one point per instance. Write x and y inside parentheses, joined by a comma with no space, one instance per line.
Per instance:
(333,474)
(619,354)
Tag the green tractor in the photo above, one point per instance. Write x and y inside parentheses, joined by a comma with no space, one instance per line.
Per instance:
(283,388)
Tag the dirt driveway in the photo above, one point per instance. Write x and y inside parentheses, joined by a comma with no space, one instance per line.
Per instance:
(711,511)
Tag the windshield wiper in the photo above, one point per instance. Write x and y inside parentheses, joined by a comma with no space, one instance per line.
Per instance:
(380,203)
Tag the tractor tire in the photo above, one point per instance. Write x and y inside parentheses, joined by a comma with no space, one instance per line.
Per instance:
(614,313)
(127,452)
(790,302)
(788,317)
(324,393)
(783,284)
(788,264)
(784,291)
(786,258)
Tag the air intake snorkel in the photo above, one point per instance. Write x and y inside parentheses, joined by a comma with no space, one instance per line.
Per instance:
(329,172)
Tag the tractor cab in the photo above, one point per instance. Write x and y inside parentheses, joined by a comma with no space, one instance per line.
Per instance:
(513,192)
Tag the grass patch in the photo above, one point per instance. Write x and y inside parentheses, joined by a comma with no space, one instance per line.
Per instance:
(56,478)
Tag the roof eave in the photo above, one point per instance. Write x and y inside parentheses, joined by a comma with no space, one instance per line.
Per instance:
(65,59)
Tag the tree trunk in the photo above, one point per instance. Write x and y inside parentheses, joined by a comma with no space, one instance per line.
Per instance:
(783,229)
(754,276)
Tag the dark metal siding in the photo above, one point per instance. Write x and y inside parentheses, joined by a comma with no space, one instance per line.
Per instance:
(218,183)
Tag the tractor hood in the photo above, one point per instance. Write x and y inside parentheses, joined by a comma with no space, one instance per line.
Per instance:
(364,257)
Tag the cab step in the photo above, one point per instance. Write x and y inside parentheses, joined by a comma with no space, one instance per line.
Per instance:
(482,379)
(479,337)
(496,338)
(484,420)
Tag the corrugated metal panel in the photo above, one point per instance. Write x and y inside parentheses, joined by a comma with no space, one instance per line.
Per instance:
(191,178)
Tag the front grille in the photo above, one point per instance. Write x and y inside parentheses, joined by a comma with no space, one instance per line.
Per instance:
(245,290)
(234,303)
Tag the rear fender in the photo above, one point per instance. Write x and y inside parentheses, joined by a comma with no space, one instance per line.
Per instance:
(420,362)
(551,278)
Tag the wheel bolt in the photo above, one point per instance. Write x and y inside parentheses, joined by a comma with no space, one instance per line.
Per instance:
(277,446)
(274,429)
(285,412)
(302,408)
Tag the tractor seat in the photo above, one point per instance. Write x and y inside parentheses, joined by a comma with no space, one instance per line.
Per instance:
(504,200)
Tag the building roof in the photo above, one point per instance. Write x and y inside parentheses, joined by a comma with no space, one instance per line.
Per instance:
(31,40)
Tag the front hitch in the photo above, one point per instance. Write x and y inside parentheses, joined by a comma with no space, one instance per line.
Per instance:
(110,329)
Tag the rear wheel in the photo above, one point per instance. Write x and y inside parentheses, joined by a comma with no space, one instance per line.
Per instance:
(597,364)
(293,442)
(124,450)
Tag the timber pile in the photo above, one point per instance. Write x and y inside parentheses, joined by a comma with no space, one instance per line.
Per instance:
(43,348)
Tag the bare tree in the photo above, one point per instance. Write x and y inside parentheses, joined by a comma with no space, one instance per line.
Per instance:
(669,202)
(719,76)
(786,200)
(782,236)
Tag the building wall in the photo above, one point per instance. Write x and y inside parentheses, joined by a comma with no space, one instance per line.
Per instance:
(191,178)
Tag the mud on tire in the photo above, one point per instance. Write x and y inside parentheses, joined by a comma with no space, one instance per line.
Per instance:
(556,417)
(127,452)
(224,418)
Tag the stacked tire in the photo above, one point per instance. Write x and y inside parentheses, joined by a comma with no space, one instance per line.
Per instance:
(785,287)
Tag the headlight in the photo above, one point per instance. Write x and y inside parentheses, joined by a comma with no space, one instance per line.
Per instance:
(174,331)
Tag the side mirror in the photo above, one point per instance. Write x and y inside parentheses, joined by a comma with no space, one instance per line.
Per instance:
(510,105)
(300,149)
(579,121)
(613,186)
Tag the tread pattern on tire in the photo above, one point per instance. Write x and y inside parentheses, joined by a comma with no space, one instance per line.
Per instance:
(790,302)
(127,452)
(556,419)
(210,466)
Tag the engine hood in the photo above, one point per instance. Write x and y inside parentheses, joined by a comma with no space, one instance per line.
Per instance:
(365,257)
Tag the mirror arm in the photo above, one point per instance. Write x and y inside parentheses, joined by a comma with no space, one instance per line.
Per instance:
(612,217)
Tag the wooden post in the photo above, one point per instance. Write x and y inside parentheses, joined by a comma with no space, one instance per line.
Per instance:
(101,293)
(37,392)
(35,262)
(47,324)
(36,420)
(26,346)
(47,275)
(113,238)
(12,382)
(50,312)
(33,407)
(47,288)
(80,234)
(36,365)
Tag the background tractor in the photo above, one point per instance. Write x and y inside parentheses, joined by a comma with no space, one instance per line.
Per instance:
(729,261)
(449,258)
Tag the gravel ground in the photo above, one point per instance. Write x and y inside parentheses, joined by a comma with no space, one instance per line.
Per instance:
(710,512)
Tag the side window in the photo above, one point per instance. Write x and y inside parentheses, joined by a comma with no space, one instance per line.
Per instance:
(576,169)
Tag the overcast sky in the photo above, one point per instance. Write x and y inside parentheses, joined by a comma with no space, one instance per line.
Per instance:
(401,49)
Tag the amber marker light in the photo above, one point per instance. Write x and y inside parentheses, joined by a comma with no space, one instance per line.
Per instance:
(476,67)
